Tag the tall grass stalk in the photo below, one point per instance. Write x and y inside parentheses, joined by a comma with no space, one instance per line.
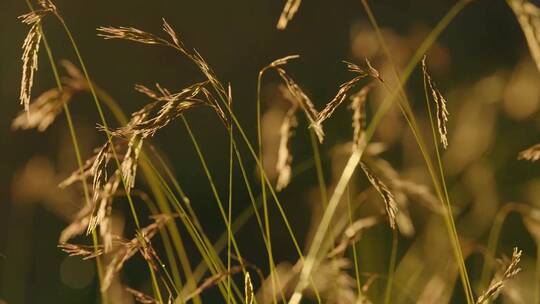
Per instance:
(262,173)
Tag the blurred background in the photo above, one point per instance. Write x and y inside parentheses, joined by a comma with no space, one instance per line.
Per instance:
(481,64)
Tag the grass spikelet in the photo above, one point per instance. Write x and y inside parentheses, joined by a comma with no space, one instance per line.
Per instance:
(30,49)
(103,187)
(78,225)
(297,93)
(30,60)
(280,61)
(141,297)
(129,164)
(290,8)
(304,102)
(352,234)
(248,289)
(167,107)
(531,153)
(358,107)
(167,28)
(283,164)
(528,16)
(41,113)
(440,102)
(508,270)
(129,33)
(143,124)
(84,251)
(346,87)
(151,118)
(387,196)
(127,249)
(44,109)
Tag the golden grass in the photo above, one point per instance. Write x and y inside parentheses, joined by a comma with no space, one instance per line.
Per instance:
(324,273)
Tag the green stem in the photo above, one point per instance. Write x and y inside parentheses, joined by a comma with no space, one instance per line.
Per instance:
(391,268)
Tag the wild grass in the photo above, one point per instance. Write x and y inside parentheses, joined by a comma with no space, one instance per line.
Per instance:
(380,199)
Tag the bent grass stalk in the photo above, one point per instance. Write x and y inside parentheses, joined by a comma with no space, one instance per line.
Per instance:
(263,184)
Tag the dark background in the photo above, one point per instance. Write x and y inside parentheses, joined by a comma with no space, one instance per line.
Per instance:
(237,38)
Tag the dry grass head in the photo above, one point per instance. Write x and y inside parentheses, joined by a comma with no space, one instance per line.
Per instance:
(387,196)
(301,99)
(43,111)
(140,36)
(167,107)
(440,102)
(346,87)
(508,270)
(85,251)
(284,160)
(31,49)
(358,107)
(30,59)
(126,249)
(286,131)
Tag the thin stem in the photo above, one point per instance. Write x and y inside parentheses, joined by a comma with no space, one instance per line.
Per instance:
(229,215)
(391,268)
(211,182)
(263,185)
(355,254)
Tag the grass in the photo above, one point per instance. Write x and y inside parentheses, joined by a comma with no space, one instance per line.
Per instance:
(344,197)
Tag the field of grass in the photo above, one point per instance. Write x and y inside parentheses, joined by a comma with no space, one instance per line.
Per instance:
(363,152)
